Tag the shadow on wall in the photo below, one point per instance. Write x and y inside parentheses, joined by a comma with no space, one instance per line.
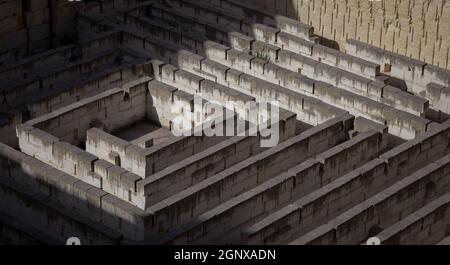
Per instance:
(42,205)
(20,170)
(250,11)
(289,8)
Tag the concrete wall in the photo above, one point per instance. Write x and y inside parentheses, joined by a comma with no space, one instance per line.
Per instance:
(395,99)
(205,195)
(339,69)
(414,75)
(204,164)
(383,211)
(439,97)
(280,190)
(82,164)
(427,226)
(80,200)
(402,124)
(215,92)
(363,86)
(20,91)
(254,66)
(308,110)
(84,89)
(308,212)
(112,109)
(39,84)
(418,29)
(403,67)
(13,232)
(32,26)
(49,220)
(43,138)
(52,138)
(35,25)
(8,123)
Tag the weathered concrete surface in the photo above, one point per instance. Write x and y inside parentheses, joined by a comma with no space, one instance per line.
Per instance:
(361,128)
(418,29)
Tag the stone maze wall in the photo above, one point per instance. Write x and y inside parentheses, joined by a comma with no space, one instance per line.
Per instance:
(417,29)
(32,26)
(86,126)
